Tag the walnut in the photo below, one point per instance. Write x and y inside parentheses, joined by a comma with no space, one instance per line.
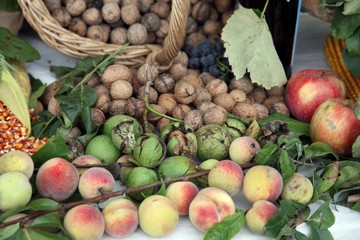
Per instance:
(78,26)
(201,11)
(145,5)
(239,95)
(62,16)
(135,107)
(206,77)
(103,103)
(130,14)
(101,89)
(181,58)
(225,16)
(151,21)
(246,111)
(99,32)
(262,110)
(164,83)
(76,7)
(153,94)
(116,72)
(279,107)
(54,106)
(137,34)
(214,15)
(184,92)
(163,122)
(223,5)
(111,12)
(194,119)
(243,83)
(180,111)
(216,87)
(145,72)
(163,29)
(117,107)
(204,106)
(97,116)
(212,27)
(193,80)
(215,115)
(225,100)
(258,94)
(121,90)
(92,16)
(194,72)
(151,38)
(152,117)
(195,38)
(162,9)
(270,101)
(118,36)
(202,95)
(167,101)
(276,91)
(177,71)
(191,26)
(51,5)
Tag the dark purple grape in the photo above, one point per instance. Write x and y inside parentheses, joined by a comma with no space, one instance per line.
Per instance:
(194,62)
(204,61)
(214,70)
(211,59)
(194,52)
(205,48)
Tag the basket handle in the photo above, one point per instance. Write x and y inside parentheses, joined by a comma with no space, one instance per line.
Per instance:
(176,35)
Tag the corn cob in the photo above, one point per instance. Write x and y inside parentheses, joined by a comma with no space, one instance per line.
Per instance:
(333,49)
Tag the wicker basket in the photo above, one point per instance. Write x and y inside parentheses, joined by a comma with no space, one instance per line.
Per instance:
(71,44)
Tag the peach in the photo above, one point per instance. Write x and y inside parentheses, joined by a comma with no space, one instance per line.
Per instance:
(210,206)
(85,160)
(121,218)
(57,179)
(206,165)
(158,216)
(124,170)
(262,183)
(96,181)
(84,222)
(182,193)
(226,175)
(298,188)
(17,161)
(15,190)
(258,215)
(243,149)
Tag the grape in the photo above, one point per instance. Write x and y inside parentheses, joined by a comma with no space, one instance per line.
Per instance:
(219,48)
(214,70)
(211,59)
(205,48)
(194,51)
(194,62)
(204,61)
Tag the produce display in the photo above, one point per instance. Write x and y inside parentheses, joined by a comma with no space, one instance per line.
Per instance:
(107,149)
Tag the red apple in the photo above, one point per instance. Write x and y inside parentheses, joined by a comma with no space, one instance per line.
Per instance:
(335,123)
(308,88)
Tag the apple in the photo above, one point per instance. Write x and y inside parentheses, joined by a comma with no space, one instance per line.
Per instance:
(335,123)
(308,88)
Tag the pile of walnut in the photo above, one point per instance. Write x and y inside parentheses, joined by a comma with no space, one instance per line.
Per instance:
(136,21)
(186,94)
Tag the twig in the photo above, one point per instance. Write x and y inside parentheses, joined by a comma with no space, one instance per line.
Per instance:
(354,198)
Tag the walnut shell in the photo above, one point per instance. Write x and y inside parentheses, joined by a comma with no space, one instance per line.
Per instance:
(62,16)
(201,11)
(163,122)
(162,9)
(121,90)
(202,95)
(194,119)
(103,103)
(117,107)
(92,16)
(151,21)
(195,81)
(130,14)
(152,117)
(118,36)
(206,77)
(177,71)
(212,27)
(276,91)
(184,92)
(239,95)
(204,106)
(116,72)
(167,101)
(101,89)
(280,107)
(225,100)
(262,110)
(270,101)
(164,83)
(163,30)
(153,94)
(78,26)
(97,116)
(137,34)
(76,7)
(215,115)
(135,107)
(258,94)
(147,72)
(246,111)
(180,111)
(99,32)
(216,87)
(243,83)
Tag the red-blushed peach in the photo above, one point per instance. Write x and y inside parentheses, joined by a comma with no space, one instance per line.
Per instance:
(226,175)
(243,149)
(85,160)
(95,181)
(182,193)
(258,215)
(298,188)
(210,206)
(84,222)
(125,170)
(17,161)
(158,216)
(57,179)
(262,183)
(121,218)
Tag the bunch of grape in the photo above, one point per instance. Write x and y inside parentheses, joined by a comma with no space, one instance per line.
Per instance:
(208,56)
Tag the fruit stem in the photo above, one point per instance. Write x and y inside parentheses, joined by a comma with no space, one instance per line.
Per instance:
(264,9)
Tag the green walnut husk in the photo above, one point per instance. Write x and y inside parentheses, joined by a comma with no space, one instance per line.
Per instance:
(140,176)
(176,166)
(271,131)
(149,151)
(213,142)
(125,132)
(180,139)
(235,127)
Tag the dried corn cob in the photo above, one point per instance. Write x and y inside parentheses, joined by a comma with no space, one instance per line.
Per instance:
(333,51)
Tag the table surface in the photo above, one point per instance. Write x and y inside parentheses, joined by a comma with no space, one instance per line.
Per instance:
(308,54)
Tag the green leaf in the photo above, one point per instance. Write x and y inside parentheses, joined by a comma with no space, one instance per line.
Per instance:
(341,196)
(42,204)
(55,147)
(86,120)
(12,95)
(287,166)
(323,218)
(37,90)
(249,44)
(9,231)
(343,26)
(352,63)
(227,228)
(328,177)
(46,125)
(48,220)
(11,212)
(9,5)
(300,236)
(43,235)
(296,126)
(353,43)
(318,234)
(319,149)
(60,71)
(346,174)
(351,7)
(356,146)
(265,155)
(356,206)
(331,3)
(14,47)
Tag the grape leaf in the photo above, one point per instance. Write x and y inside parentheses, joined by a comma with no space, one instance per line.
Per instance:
(250,48)
(351,7)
